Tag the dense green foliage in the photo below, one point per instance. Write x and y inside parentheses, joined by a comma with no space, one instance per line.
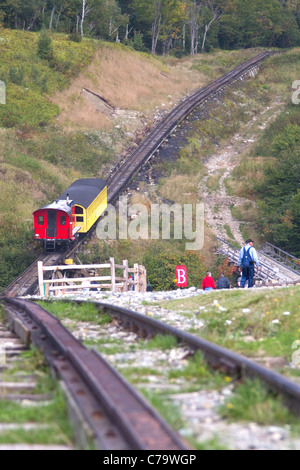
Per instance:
(163,26)
(161,268)
(33,67)
(45,48)
(278,191)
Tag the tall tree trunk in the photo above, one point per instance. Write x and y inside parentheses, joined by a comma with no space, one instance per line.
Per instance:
(207,28)
(51,17)
(217,11)
(86,9)
(58,17)
(33,20)
(128,31)
(156,26)
(43,10)
(194,27)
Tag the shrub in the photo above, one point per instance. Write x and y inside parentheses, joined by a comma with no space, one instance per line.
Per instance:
(161,265)
(75,37)
(45,48)
(16,75)
(286,140)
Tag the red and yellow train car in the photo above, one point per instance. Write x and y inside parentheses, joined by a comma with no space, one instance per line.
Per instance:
(72,214)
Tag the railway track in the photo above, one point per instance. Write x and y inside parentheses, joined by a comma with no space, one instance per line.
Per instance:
(23,386)
(26,283)
(124,172)
(43,329)
(218,358)
(107,413)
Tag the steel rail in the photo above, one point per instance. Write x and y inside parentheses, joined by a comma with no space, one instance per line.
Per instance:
(217,356)
(115,416)
(26,282)
(156,137)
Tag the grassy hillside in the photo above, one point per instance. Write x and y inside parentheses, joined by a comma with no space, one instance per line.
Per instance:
(258,323)
(242,127)
(73,115)
(51,132)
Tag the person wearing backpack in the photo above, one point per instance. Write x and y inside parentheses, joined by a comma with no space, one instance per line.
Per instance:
(247,259)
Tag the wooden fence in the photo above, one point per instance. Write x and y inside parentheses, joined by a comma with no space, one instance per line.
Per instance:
(85,279)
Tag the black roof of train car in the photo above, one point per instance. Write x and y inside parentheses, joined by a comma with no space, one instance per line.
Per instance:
(84,191)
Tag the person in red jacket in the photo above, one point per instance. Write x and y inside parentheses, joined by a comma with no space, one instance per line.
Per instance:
(208,283)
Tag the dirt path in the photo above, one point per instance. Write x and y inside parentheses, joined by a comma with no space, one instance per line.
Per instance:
(220,166)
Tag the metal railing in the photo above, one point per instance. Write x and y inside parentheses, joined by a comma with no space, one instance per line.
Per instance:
(288,260)
(266,272)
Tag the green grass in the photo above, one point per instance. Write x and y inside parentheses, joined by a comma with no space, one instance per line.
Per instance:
(249,313)
(228,231)
(54,435)
(2,314)
(30,80)
(252,402)
(85,312)
(52,414)
(197,372)
(213,183)
(165,408)
(136,375)
(163,342)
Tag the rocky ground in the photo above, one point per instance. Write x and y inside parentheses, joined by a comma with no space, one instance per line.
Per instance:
(198,408)
(217,204)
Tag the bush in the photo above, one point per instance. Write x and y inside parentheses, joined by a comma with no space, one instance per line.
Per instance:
(45,48)
(75,37)
(161,265)
(26,107)
(137,42)
(286,140)
(17,75)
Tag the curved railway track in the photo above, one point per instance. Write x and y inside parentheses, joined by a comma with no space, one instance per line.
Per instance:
(25,284)
(96,388)
(217,357)
(123,173)
(105,408)
(146,149)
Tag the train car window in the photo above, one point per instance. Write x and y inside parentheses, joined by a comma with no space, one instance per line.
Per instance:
(63,220)
(41,220)
(79,219)
(78,210)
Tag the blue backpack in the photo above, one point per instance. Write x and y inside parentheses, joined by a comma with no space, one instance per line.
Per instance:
(247,261)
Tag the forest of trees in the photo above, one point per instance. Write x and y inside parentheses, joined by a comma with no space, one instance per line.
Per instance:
(163,26)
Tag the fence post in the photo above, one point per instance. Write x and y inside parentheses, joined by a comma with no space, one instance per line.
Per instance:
(125,275)
(41,278)
(143,280)
(136,278)
(113,274)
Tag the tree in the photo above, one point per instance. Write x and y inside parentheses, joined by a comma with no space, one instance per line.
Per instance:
(116,19)
(216,10)
(86,9)
(194,9)
(45,49)
(158,16)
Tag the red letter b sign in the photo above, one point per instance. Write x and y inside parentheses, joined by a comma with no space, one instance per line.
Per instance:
(181,276)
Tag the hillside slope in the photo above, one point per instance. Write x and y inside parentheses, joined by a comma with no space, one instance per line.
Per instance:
(53,133)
